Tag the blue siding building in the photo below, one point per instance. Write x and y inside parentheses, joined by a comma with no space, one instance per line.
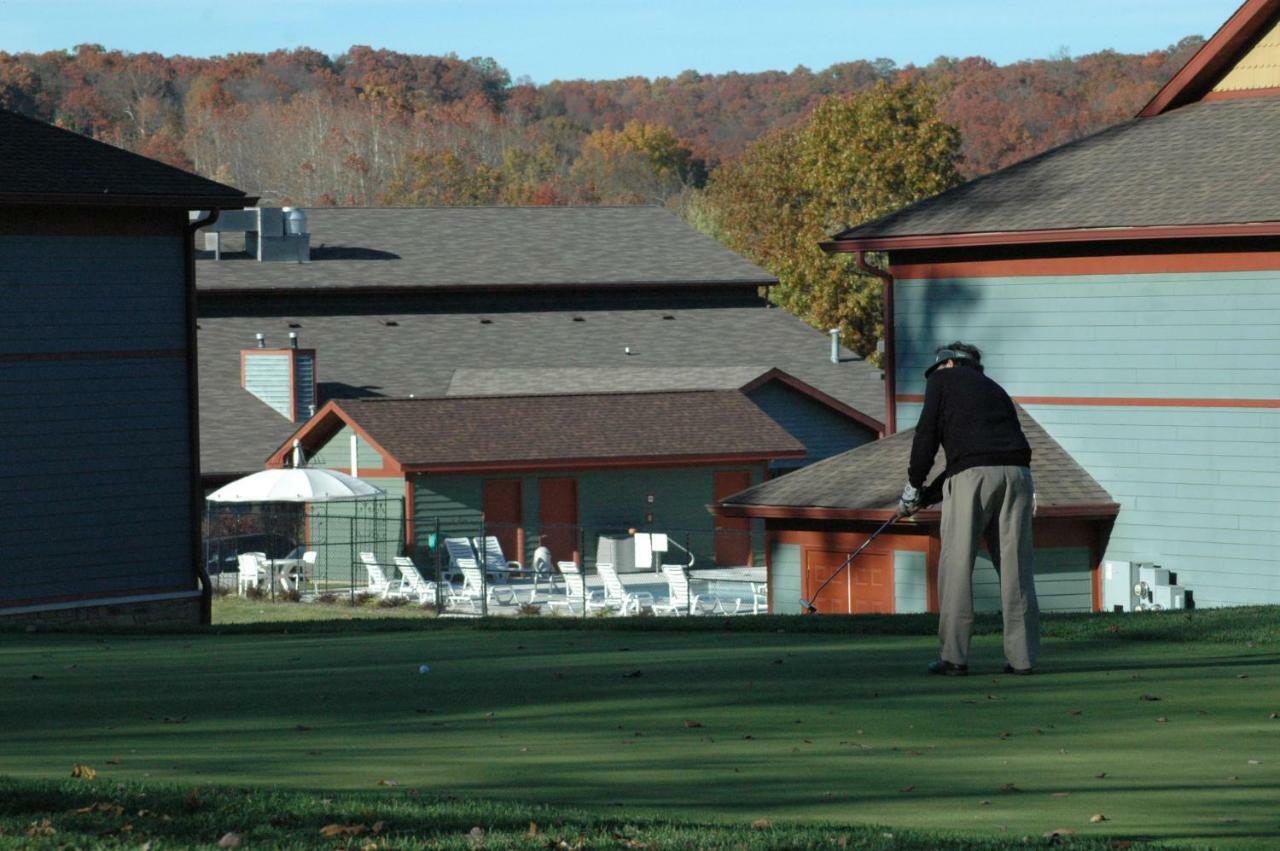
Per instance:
(1125,289)
(99,496)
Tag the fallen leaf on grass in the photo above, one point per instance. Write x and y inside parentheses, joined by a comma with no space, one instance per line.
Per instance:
(761,824)
(43,827)
(1254,762)
(101,807)
(229,840)
(331,830)
(1149,697)
(533,830)
(984,803)
(692,724)
(302,728)
(83,772)
(1162,720)
(1274,715)
(631,675)
(1059,832)
(115,760)
(388,782)
(1097,818)
(1061,795)
(1242,676)
(476,835)
(907,789)
(1009,787)
(1100,775)
(1075,711)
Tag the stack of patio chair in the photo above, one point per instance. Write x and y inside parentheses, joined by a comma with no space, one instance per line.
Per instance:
(252,571)
(678,601)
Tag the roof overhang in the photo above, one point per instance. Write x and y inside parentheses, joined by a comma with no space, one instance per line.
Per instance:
(391,289)
(325,423)
(1202,71)
(518,465)
(1062,235)
(1101,511)
(176,202)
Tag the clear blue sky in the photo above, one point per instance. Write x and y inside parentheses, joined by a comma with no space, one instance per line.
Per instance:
(601,39)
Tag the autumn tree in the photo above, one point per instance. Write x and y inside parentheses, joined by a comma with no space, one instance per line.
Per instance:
(638,164)
(856,158)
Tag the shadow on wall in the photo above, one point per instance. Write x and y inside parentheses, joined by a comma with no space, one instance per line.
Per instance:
(947,305)
(328,390)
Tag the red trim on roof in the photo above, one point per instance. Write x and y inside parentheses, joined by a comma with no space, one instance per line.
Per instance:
(321,426)
(1203,71)
(1026,237)
(1116,264)
(814,393)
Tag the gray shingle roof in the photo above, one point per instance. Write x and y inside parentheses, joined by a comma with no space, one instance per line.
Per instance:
(422,353)
(1207,163)
(487,247)
(525,430)
(489,382)
(870,478)
(40,161)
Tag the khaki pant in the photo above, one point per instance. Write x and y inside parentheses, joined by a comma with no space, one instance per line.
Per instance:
(995,502)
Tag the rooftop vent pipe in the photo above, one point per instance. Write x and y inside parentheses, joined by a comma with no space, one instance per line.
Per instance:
(835,345)
(293,339)
(262,340)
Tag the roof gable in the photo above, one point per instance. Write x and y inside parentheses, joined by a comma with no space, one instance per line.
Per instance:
(866,482)
(43,164)
(548,432)
(1230,52)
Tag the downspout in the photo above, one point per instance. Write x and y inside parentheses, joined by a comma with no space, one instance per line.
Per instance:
(193,420)
(890,361)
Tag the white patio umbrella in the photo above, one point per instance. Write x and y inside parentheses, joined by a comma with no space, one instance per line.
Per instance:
(294,484)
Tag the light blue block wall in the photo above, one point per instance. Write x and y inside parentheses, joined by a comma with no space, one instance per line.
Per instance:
(267,377)
(95,464)
(910,582)
(1199,487)
(822,431)
(784,574)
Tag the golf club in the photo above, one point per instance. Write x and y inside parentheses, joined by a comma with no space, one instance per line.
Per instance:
(807,605)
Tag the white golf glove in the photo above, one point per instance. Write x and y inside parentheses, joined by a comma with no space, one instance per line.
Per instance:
(909,502)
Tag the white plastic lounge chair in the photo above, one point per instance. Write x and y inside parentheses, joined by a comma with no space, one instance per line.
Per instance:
(252,571)
(678,601)
(575,593)
(472,583)
(412,585)
(378,585)
(759,604)
(459,549)
(616,595)
(496,562)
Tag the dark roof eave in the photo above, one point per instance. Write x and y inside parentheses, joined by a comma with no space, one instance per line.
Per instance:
(1099,511)
(875,242)
(213,289)
(106,199)
(535,464)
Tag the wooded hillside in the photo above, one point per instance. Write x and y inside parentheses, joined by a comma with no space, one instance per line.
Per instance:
(378,127)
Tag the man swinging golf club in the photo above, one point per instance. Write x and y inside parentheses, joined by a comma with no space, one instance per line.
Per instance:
(987,491)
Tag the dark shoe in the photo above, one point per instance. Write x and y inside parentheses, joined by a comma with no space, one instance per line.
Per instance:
(947,669)
(1020,672)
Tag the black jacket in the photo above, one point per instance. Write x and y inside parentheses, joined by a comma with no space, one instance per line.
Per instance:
(973,419)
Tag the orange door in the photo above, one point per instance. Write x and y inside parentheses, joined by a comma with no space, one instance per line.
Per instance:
(865,586)
(558,518)
(502,515)
(733,534)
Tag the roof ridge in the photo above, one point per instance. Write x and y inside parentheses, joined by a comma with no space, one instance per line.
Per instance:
(496,396)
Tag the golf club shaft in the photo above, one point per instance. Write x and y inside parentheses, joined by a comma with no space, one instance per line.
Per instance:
(850,559)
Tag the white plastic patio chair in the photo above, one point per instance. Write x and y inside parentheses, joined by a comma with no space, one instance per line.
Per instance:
(412,585)
(575,595)
(617,596)
(378,585)
(252,571)
(459,549)
(496,562)
(759,604)
(307,572)
(678,601)
(473,582)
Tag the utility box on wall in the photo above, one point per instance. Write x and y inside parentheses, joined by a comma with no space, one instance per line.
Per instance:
(1134,586)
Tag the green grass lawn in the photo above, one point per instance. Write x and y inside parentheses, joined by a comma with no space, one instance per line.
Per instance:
(811,724)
